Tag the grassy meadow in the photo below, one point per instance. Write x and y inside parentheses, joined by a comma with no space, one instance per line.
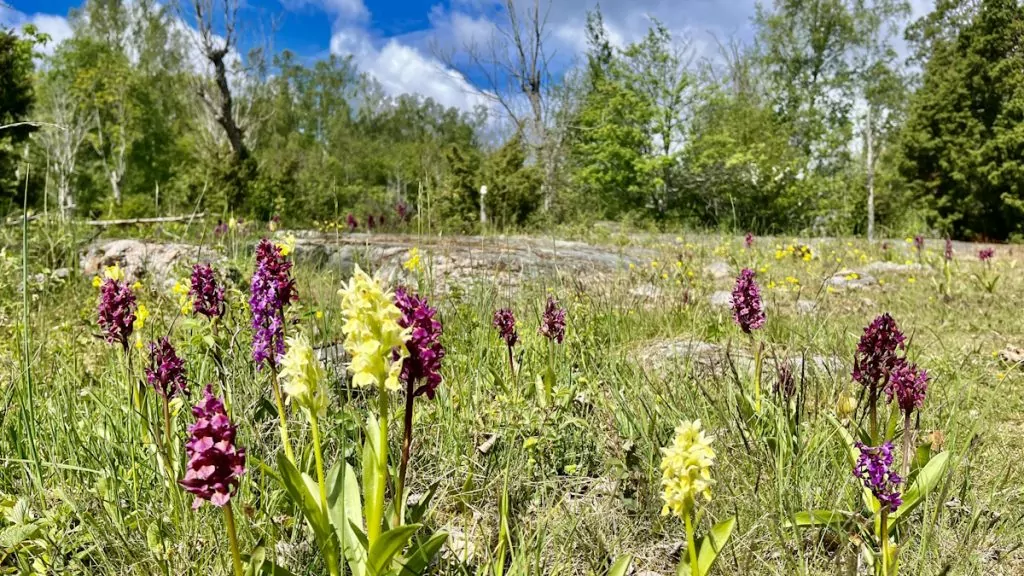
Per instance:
(550,467)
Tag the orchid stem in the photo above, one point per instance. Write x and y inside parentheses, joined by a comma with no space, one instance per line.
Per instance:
(885,542)
(321,483)
(908,445)
(691,547)
(285,441)
(406,449)
(236,557)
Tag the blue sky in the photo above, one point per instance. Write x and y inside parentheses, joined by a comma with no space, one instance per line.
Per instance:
(403,42)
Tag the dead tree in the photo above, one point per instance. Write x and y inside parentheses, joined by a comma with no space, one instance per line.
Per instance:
(217,49)
(514,65)
(63,139)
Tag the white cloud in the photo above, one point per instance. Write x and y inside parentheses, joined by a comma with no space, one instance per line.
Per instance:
(56,27)
(352,10)
(404,69)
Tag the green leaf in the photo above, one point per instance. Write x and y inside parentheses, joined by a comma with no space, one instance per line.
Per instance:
(372,482)
(14,535)
(387,545)
(621,565)
(924,483)
(303,491)
(809,518)
(345,510)
(420,555)
(712,544)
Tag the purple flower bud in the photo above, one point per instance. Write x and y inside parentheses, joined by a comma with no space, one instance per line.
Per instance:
(116,311)
(907,384)
(221,228)
(874,468)
(214,463)
(919,243)
(986,254)
(748,240)
(876,351)
(166,371)
(552,325)
(505,322)
(271,290)
(402,210)
(353,224)
(424,344)
(747,308)
(948,253)
(207,295)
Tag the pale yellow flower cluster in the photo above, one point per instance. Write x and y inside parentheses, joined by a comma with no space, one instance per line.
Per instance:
(372,332)
(302,376)
(686,469)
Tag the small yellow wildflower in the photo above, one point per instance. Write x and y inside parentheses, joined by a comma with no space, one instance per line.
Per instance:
(654,264)
(412,263)
(763,270)
(908,240)
(881,281)
(114,273)
(664,276)
(179,288)
(96,282)
(141,315)
(846,406)
(911,280)
(771,284)
(137,285)
(302,376)
(286,244)
(792,280)
(371,332)
(632,266)
(319,314)
(686,469)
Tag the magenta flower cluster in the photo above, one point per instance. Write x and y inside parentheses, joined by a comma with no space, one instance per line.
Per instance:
(352,223)
(748,240)
(207,295)
(214,462)
(907,385)
(272,289)
(425,350)
(877,352)
(986,254)
(552,325)
(747,308)
(116,311)
(166,371)
(919,243)
(874,468)
(505,322)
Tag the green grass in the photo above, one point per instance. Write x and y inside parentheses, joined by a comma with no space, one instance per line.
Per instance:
(81,491)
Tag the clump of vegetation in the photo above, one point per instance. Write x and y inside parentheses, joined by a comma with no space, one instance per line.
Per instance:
(554,431)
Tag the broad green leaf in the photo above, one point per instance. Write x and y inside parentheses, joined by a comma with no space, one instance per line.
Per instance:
(418,558)
(387,545)
(809,518)
(621,565)
(14,535)
(372,483)
(304,494)
(924,483)
(419,510)
(344,510)
(712,544)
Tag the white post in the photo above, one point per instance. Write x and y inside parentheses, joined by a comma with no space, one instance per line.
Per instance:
(483,212)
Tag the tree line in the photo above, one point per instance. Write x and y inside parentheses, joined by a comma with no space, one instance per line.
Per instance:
(840,117)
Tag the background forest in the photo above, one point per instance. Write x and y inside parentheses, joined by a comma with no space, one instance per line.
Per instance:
(840,117)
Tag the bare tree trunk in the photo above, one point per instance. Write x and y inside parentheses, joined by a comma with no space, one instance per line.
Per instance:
(870,146)
(221,105)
